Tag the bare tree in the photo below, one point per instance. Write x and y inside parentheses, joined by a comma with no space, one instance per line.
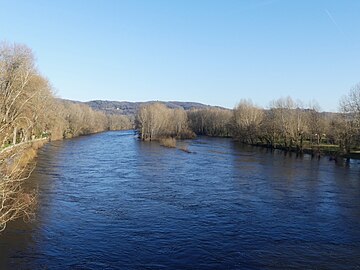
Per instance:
(210,121)
(22,91)
(290,118)
(247,119)
(155,121)
(119,122)
(350,120)
(152,121)
(15,202)
(178,122)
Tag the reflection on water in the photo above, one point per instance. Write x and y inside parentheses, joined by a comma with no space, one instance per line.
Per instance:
(108,201)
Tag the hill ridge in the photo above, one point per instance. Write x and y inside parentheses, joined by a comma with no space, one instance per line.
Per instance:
(130,108)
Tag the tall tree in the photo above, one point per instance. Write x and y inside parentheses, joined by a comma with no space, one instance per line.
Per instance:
(350,108)
(22,91)
(247,119)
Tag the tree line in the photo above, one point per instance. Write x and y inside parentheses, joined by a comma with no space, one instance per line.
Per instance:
(286,124)
(29,109)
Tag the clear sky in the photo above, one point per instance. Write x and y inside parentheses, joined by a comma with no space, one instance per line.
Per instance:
(215,52)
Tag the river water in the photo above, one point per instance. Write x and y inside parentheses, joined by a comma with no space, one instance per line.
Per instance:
(109,201)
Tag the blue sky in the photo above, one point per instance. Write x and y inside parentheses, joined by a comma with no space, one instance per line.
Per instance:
(215,52)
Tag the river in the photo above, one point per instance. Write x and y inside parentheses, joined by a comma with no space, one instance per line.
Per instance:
(109,201)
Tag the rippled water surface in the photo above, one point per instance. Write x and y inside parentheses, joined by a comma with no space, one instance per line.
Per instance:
(109,201)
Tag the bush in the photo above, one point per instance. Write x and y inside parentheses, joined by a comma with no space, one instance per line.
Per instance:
(168,142)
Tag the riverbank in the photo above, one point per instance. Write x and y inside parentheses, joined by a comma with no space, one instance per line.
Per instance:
(317,151)
(16,165)
(330,151)
(9,148)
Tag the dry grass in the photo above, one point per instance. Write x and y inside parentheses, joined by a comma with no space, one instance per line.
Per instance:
(168,142)
(23,155)
(38,144)
(26,157)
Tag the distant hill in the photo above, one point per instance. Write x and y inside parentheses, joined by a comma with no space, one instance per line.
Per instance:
(131,108)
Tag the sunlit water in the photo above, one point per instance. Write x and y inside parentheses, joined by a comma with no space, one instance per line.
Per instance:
(109,201)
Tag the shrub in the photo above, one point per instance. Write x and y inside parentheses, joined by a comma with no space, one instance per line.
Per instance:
(168,142)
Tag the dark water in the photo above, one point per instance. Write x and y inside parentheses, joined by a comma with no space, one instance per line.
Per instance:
(108,201)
